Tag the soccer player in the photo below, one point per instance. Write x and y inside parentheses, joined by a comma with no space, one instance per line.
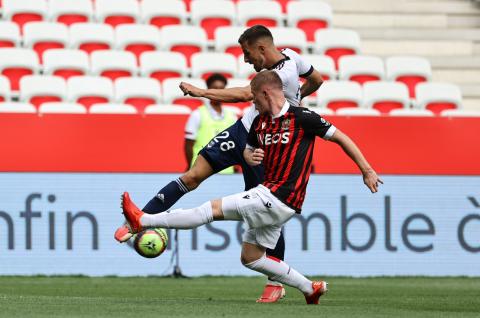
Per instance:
(226,148)
(282,137)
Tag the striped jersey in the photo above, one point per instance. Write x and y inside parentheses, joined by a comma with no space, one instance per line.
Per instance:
(287,141)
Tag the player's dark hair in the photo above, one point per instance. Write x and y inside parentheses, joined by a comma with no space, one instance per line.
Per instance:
(255,33)
(216,77)
(264,77)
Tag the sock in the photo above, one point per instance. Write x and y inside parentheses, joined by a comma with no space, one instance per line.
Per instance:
(279,253)
(281,272)
(179,218)
(166,197)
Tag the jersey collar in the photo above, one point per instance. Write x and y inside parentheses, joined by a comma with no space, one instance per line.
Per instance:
(285,58)
(285,107)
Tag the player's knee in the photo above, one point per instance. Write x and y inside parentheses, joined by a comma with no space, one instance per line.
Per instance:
(191,179)
(248,260)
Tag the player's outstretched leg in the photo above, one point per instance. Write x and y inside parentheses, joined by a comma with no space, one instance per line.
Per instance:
(253,257)
(273,290)
(171,193)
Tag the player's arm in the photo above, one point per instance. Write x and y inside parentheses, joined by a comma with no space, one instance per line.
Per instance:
(191,128)
(226,95)
(253,156)
(370,177)
(188,149)
(313,82)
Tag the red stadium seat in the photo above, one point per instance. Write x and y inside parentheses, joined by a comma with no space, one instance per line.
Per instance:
(89,90)
(4,89)
(16,63)
(339,94)
(205,64)
(116,12)
(170,12)
(211,14)
(438,97)
(24,11)
(385,96)
(252,12)
(61,108)
(65,63)
(337,43)
(173,95)
(163,65)
(184,39)
(112,108)
(226,40)
(90,37)
(291,38)
(309,16)
(361,69)
(69,12)
(137,38)
(113,64)
(43,36)
(9,34)
(409,70)
(138,92)
(36,89)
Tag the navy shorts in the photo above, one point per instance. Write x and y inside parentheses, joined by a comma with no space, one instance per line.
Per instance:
(226,150)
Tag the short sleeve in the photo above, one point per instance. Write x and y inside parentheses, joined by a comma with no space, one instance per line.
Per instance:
(192,126)
(304,68)
(252,141)
(314,124)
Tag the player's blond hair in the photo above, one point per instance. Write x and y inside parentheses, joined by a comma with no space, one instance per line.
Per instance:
(269,78)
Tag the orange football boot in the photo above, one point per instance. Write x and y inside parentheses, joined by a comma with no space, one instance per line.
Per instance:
(319,288)
(123,234)
(271,294)
(132,213)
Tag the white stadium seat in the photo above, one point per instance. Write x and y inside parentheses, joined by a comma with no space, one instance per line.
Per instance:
(267,13)
(65,63)
(291,38)
(205,64)
(24,11)
(9,34)
(336,43)
(163,65)
(172,94)
(166,109)
(323,64)
(309,16)
(91,37)
(170,12)
(113,64)
(409,70)
(211,14)
(385,96)
(4,89)
(11,107)
(238,82)
(411,113)
(226,40)
(184,39)
(438,97)
(16,63)
(36,89)
(460,113)
(361,68)
(43,36)
(69,12)
(245,70)
(137,91)
(137,38)
(88,90)
(322,111)
(112,108)
(116,12)
(62,108)
(355,111)
(339,94)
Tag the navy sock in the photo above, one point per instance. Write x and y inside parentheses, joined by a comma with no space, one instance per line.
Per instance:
(279,250)
(166,197)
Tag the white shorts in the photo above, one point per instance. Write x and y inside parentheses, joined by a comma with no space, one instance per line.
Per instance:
(263,213)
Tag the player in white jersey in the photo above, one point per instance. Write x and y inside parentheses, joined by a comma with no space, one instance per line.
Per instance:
(226,149)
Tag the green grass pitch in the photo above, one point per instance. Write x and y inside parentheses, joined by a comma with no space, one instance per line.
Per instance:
(234,297)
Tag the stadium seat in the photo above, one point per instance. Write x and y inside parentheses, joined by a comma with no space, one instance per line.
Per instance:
(457,113)
(211,14)
(165,109)
(291,38)
(4,89)
(339,94)
(43,36)
(12,107)
(116,12)
(226,40)
(355,111)
(36,89)
(238,82)
(410,70)
(113,64)
(205,64)
(322,111)
(138,92)
(137,38)
(309,16)
(62,108)
(112,108)
(360,68)
(91,37)
(251,12)
(323,64)
(385,96)
(163,65)
(69,12)
(65,63)
(170,12)
(411,113)
(16,63)
(24,11)
(438,97)
(184,39)
(9,34)
(245,70)
(172,94)
(89,90)
(336,43)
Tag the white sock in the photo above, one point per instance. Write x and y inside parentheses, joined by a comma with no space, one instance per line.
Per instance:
(179,218)
(281,272)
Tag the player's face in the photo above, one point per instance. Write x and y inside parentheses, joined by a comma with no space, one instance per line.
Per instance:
(252,54)
(217,85)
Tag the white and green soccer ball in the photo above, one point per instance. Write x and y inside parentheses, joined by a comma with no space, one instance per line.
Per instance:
(151,243)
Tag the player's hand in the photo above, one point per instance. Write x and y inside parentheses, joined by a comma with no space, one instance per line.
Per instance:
(189,89)
(257,156)
(371,180)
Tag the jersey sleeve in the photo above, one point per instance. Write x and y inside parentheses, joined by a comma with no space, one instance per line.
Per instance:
(304,68)
(314,124)
(252,141)
(192,126)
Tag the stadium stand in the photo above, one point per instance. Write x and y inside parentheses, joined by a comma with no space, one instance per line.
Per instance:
(169,13)
(323,111)
(112,108)
(137,38)
(24,11)
(89,90)
(438,96)
(385,96)
(361,68)
(116,12)
(336,43)
(69,12)
(65,63)
(163,65)
(43,36)
(184,39)
(173,95)
(309,16)
(61,108)
(355,111)
(460,113)
(292,38)
(411,113)
(138,92)
(163,109)
(409,70)
(339,94)
(13,107)
(211,14)
(37,89)
(4,89)
(91,37)
(16,63)
(113,64)
(226,40)
(9,34)
(248,13)
(205,64)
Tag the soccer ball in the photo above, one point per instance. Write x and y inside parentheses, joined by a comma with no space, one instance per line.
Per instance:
(151,243)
